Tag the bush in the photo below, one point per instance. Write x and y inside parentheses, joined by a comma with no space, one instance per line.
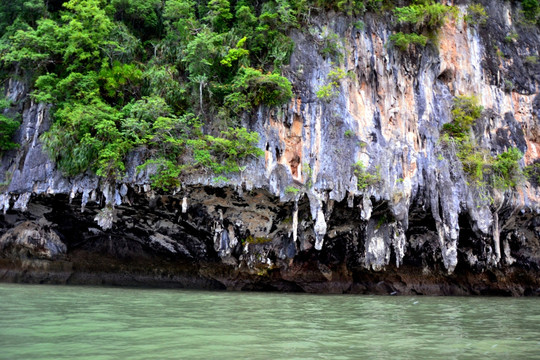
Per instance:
(476,15)
(364,178)
(402,40)
(530,8)
(329,91)
(291,190)
(464,113)
(252,88)
(428,15)
(7,129)
(180,147)
(532,59)
(477,163)
(506,168)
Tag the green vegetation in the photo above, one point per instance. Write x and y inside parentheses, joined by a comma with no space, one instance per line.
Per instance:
(506,170)
(531,9)
(330,45)
(348,133)
(465,112)
(174,76)
(476,15)
(424,18)
(402,41)
(291,190)
(7,129)
(330,90)
(532,59)
(8,126)
(423,14)
(364,178)
(511,37)
(501,171)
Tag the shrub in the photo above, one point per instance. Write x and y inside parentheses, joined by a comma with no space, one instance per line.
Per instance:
(477,163)
(402,40)
(180,147)
(428,15)
(511,37)
(364,178)
(476,14)
(327,92)
(465,112)
(506,168)
(530,8)
(291,190)
(252,88)
(532,59)
(7,129)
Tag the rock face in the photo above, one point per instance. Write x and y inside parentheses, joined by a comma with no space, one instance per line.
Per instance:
(29,240)
(296,220)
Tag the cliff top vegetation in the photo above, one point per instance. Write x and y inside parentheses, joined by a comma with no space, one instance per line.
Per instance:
(173,76)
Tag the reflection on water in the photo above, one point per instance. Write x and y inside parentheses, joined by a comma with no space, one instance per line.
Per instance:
(48,322)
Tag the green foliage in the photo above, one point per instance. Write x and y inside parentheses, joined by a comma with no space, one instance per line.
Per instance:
(424,17)
(506,168)
(349,133)
(327,92)
(464,113)
(122,74)
(329,43)
(511,37)
(501,171)
(175,139)
(164,81)
(84,31)
(141,16)
(330,90)
(531,8)
(364,178)
(252,88)
(402,40)
(475,161)
(532,59)
(235,54)
(86,137)
(291,190)
(351,7)
(233,146)
(27,11)
(476,14)
(307,175)
(7,129)
(424,14)
(121,81)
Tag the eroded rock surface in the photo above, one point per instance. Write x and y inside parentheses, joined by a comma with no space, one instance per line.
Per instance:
(422,228)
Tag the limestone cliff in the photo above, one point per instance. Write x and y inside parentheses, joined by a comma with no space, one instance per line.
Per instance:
(296,220)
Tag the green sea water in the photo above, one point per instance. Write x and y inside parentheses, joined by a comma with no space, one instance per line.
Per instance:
(69,322)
